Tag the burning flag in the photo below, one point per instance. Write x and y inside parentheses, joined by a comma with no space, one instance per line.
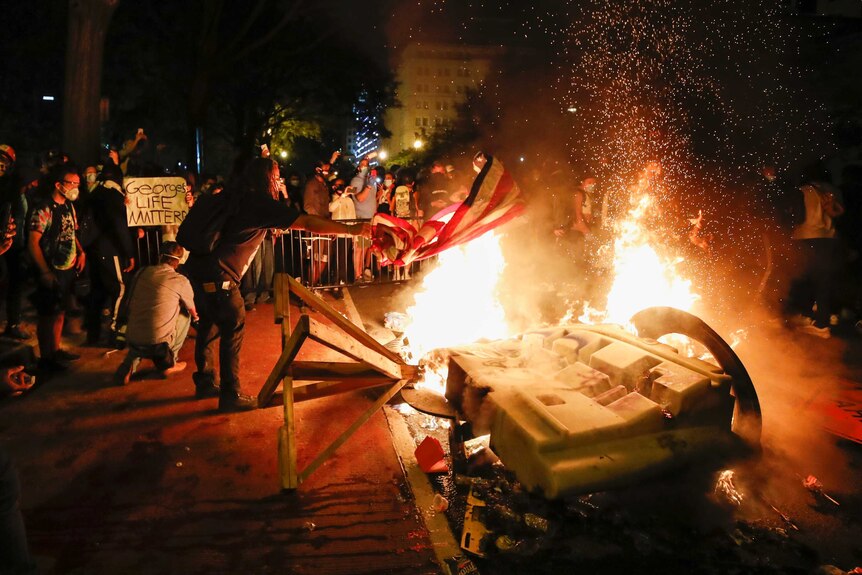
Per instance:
(494,199)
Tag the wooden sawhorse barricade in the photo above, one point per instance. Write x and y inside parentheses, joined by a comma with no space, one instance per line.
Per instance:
(373,365)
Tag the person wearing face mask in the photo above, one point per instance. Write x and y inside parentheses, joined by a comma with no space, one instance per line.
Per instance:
(91,175)
(57,257)
(112,254)
(384,193)
(365,201)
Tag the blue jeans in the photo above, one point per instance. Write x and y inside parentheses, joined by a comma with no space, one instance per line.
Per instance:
(222,315)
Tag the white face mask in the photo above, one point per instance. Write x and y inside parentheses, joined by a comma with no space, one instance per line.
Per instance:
(91,177)
(71,194)
(589,188)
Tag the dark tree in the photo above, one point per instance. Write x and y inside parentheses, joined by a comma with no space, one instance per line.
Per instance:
(88,26)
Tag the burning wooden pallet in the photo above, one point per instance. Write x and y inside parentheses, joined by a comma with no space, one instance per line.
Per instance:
(373,365)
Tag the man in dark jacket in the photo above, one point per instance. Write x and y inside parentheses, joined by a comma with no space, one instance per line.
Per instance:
(216,276)
(111,252)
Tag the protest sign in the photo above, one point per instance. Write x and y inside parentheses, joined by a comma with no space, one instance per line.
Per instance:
(155,201)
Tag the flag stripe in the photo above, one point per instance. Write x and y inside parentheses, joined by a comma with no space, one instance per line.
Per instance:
(494,199)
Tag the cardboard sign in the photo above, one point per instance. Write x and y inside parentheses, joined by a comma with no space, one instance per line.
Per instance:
(155,201)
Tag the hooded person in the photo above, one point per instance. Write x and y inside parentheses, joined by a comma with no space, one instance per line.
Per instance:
(112,253)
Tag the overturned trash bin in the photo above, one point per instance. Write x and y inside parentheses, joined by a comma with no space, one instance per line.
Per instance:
(581,408)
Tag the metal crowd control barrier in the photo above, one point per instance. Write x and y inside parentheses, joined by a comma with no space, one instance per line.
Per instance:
(323,261)
(314,260)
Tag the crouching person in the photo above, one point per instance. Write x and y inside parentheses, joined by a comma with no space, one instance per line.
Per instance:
(160,309)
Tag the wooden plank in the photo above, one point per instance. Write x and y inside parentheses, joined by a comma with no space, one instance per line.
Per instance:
(316,303)
(352,348)
(278,303)
(288,354)
(317,389)
(345,435)
(331,370)
(287,468)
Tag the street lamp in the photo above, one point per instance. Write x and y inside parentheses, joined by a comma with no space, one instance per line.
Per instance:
(283,154)
(418,144)
(383,154)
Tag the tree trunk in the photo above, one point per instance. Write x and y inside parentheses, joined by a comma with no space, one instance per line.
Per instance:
(88,26)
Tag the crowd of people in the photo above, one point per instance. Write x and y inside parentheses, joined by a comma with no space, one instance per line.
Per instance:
(72,255)
(799,241)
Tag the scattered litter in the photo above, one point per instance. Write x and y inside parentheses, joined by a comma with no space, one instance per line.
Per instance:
(813,485)
(475,536)
(533,521)
(430,423)
(309,526)
(405,409)
(505,544)
(460,565)
(431,457)
(440,503)
(472,446)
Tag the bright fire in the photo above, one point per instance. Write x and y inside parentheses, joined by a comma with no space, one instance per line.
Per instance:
(642,276)
(457,303)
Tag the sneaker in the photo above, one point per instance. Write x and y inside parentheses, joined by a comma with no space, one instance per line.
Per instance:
(64,355)
(240,403)
(823,332)
(367,275)
(16,332)
(123,375)
(175,368)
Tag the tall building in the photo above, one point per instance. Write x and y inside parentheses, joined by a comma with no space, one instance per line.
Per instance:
(363,136)
(432,80)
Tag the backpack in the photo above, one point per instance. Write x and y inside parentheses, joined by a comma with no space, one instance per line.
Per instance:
(201,229)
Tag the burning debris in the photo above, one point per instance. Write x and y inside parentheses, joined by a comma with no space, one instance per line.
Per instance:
(578,408)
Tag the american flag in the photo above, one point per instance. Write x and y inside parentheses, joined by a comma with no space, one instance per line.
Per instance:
(494,199)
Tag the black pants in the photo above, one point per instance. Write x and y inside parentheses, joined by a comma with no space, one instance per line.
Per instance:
(108,285)
(816,281)
(222,315)
(13,263)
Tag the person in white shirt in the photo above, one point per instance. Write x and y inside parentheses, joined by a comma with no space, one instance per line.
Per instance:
(161,308)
